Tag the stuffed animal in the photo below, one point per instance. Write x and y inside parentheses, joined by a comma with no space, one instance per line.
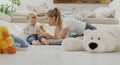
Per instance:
(19,43)
(95,41)
(41,29)
(6,41)
(102,40)
(72,44)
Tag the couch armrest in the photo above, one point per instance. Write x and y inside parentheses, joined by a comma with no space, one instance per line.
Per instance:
(101,20)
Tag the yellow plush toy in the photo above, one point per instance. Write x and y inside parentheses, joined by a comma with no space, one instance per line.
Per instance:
(6,41)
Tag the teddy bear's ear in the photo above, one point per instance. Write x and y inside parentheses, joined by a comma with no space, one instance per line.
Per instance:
(87,31)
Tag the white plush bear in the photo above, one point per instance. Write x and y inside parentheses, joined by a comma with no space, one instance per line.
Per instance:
(95,41)
(72,44)
(99,41)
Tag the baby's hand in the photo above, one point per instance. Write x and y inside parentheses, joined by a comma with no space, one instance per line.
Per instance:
(31,33)
(38,30)
(41,34)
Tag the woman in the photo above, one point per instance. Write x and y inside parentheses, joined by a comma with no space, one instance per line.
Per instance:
(63,27)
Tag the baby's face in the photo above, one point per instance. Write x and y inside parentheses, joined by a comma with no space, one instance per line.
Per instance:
(32,22)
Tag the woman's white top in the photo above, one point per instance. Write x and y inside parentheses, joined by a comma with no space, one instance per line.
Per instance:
(74,26)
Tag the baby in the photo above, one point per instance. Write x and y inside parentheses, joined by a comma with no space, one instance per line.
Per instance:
(34,37)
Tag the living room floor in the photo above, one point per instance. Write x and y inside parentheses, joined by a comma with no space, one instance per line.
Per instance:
(55,55)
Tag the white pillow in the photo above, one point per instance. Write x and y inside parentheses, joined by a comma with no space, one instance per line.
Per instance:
(104,11)
(39,9)
(90,15)
(41,12)
(22,13)
(4,17)
(99,16)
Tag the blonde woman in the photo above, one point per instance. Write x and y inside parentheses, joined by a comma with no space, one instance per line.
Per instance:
(65,26)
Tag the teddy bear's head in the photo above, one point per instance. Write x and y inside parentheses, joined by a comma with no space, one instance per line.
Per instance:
(99,41)
(4,33)
(5,41)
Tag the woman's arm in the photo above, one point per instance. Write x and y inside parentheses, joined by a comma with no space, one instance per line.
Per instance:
(64,33)
(62,36)
(51,36)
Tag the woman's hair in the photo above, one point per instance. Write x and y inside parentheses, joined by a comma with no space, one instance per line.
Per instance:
(31,16)
(57,14)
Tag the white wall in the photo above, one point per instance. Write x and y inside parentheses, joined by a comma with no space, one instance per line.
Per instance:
(71,6)
(50,3)
(29,2)
(34,2)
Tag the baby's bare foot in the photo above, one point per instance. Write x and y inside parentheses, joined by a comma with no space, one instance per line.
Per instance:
(38,42)
(45,41)
(35,42)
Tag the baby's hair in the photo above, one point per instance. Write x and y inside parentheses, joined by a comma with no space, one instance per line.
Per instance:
(31,16)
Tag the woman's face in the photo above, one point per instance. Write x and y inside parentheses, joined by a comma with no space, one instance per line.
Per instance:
(51,21)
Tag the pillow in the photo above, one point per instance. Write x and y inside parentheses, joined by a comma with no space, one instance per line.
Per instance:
(90,15)
(104,11)
(34,7)
(39,9)
(4,17)
(41,12)
(22,13)
(100,16)
(19,43)
(93,15)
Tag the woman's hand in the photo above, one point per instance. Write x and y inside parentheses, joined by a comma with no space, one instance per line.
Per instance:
(50,36)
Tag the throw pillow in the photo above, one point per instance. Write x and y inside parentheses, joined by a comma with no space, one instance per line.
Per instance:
(39,9)
(105,11)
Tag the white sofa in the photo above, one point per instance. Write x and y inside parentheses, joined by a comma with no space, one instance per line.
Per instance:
(23,19)
(100,15)
(101,20)
(39,10)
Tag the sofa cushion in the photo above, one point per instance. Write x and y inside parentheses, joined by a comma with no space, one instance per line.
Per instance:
(101,20)
(104,11)
(90,15)
(22,13)
(39,9)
